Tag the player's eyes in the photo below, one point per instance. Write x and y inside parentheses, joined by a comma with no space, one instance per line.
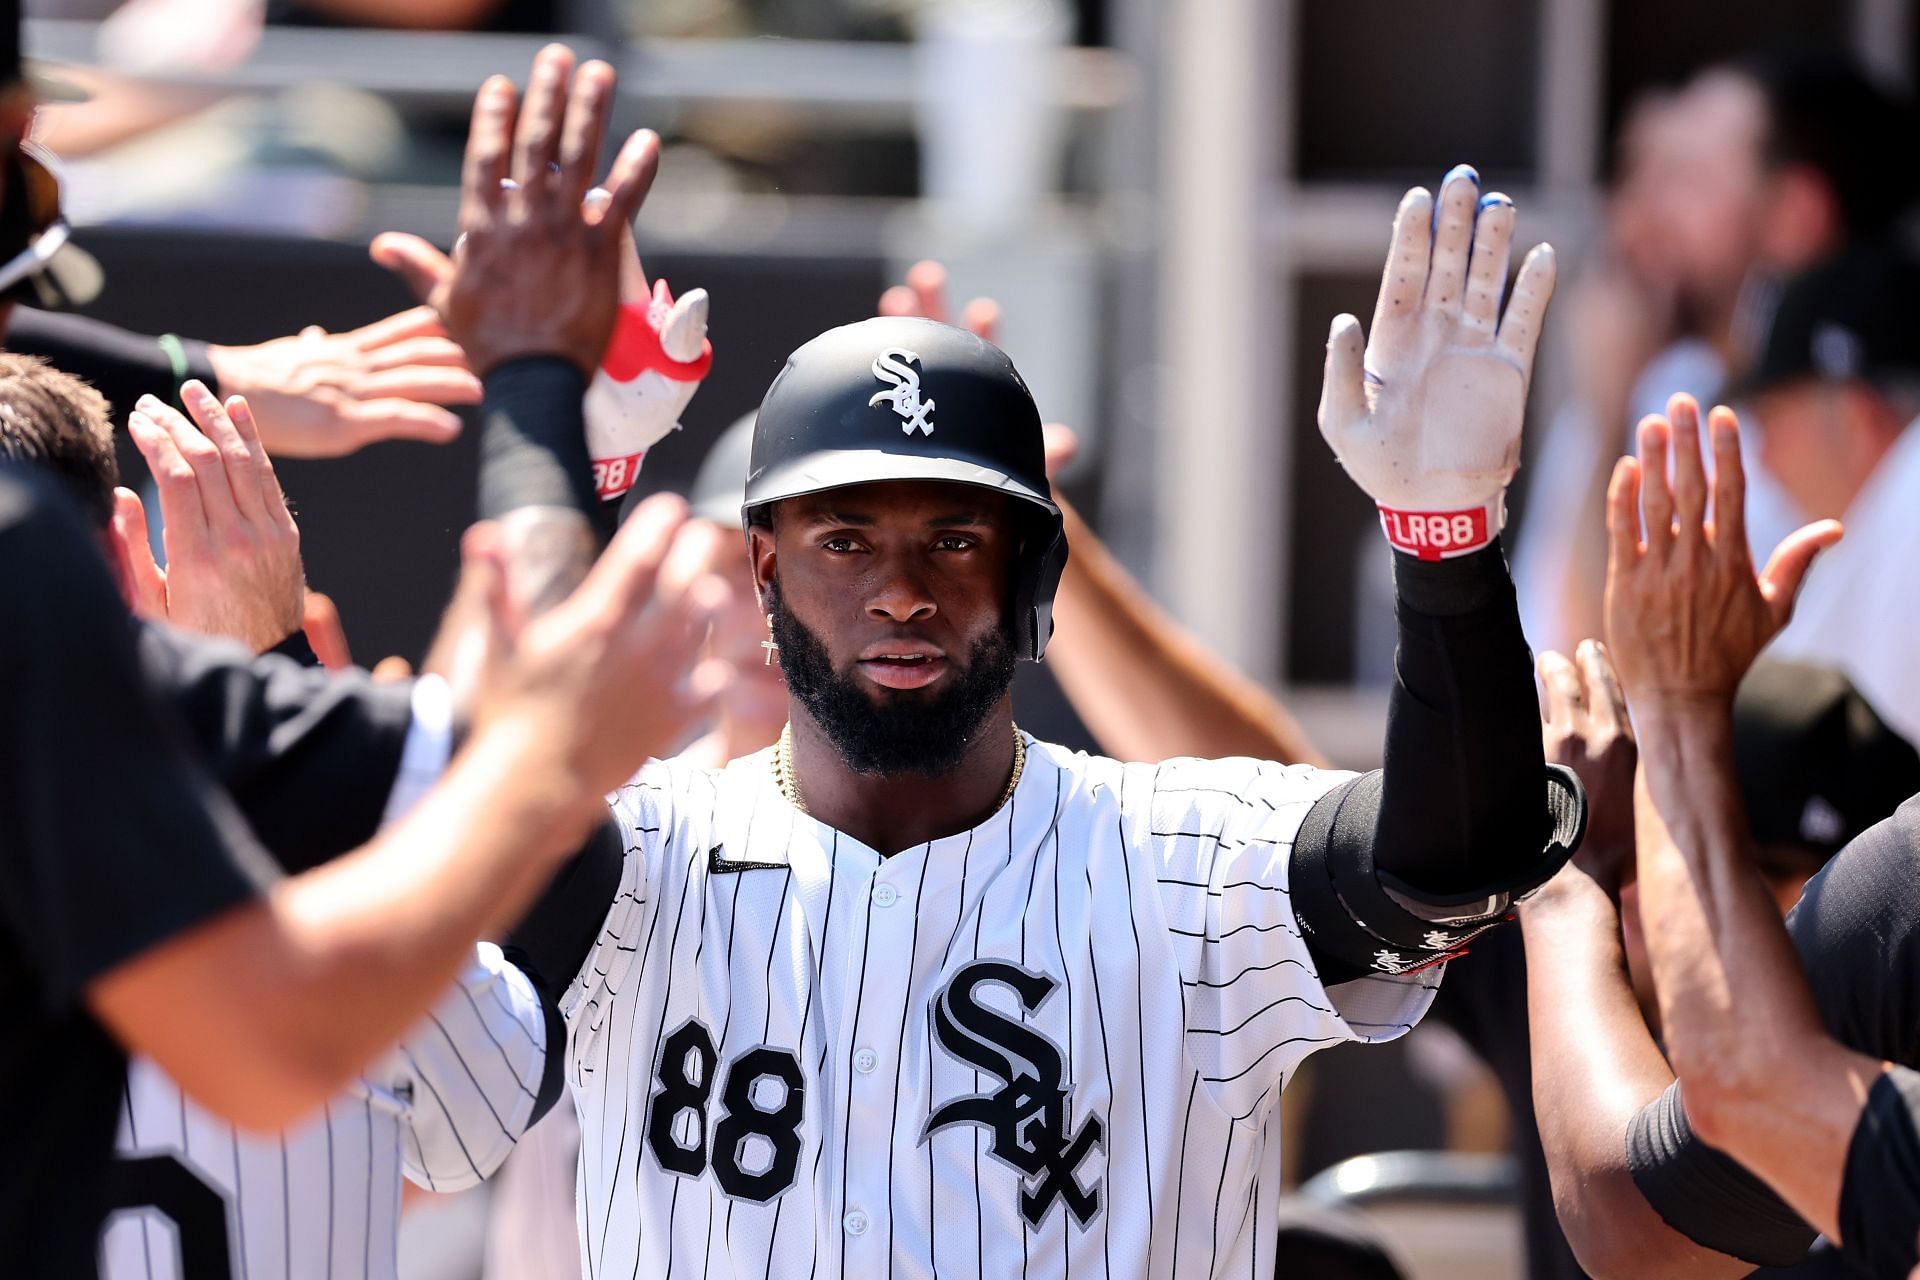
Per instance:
(955,542)
(840,546)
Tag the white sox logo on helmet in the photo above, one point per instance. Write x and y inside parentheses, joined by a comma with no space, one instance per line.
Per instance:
(894,367)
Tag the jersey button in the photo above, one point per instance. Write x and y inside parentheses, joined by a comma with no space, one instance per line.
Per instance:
(885,895)
(855,1222)
(865,1061)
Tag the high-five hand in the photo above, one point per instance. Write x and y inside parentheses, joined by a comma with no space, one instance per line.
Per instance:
(1686,615)
(1427,419)
(537,264)
(233,550)
(322,395)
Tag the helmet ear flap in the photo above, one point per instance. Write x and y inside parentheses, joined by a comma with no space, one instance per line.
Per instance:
(1038,565)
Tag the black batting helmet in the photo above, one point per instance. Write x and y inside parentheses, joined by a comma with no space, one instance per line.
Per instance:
(902,398)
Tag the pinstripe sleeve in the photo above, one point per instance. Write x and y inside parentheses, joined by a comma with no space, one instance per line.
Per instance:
(1256,1007)
(473,1071)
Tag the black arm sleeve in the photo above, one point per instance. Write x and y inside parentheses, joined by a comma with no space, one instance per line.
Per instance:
(1880,1193)
(309,756)
(533,442)
(112,839)
(1460,799)
(1857,930)
(123,365)
(1465,811)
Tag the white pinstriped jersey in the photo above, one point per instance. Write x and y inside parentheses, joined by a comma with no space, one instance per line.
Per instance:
(322,1201)
(1048,1046)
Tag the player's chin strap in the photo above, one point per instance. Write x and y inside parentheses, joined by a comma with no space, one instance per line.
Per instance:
(1360,920)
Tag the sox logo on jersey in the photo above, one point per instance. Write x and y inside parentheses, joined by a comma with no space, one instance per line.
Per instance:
(1027,1116)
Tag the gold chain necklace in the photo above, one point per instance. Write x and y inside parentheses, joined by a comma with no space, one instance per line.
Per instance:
(790,786)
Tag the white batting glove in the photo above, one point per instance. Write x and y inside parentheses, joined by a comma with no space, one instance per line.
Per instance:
(1427,422)
(655,362)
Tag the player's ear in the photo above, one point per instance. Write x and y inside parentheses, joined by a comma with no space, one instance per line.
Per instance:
(762,557)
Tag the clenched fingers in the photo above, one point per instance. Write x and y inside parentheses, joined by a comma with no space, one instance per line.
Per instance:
(1606,701)
(1566,693)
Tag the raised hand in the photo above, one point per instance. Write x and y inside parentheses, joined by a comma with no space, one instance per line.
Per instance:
(536,270)
(1587,730)
(233,550)
(322,395)
(925,294)
(1426,419)
(1686,614)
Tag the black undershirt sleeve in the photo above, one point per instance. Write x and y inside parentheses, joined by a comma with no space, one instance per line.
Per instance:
(1857,931)
(1880,1193)
(123,365)
(1464,807)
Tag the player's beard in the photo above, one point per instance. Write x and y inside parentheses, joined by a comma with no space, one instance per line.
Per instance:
(926,735)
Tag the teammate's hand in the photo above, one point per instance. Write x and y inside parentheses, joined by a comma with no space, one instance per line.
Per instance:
(536,270)
(1686,615)
(1428,422)
(655,361)
(925,294)
(322,395)
(233,550)
(612,675)
(1587,730)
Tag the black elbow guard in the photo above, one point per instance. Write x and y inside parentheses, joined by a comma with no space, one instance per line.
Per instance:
(1358,919)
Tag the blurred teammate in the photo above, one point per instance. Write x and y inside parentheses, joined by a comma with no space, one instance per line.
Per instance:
(1837,388)
(1752,172)
(1639,1190)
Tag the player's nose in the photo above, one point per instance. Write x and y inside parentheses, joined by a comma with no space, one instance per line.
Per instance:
(897,594)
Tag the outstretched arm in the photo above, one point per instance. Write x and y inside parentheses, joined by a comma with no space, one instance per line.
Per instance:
(265,1009)
(318,394)
(1595,1064)
(1400,869)
(1687,616)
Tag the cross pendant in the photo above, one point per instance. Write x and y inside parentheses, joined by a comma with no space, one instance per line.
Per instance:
(771,649)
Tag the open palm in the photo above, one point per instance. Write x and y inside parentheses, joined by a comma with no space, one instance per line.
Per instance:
(1425,415)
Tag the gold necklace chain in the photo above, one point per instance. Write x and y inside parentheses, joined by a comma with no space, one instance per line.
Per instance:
(790,786)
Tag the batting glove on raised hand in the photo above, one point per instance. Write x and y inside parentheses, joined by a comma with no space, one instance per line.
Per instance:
(1427,418)
(656,361)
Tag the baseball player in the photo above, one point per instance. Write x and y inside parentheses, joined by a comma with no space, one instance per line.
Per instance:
(911,993)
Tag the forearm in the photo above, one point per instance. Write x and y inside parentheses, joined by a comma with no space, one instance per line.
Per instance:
(335,965)
(533,442)
(1145,687)
(121,364)
(1462,798)
(1595,1066)
(1763,1080)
